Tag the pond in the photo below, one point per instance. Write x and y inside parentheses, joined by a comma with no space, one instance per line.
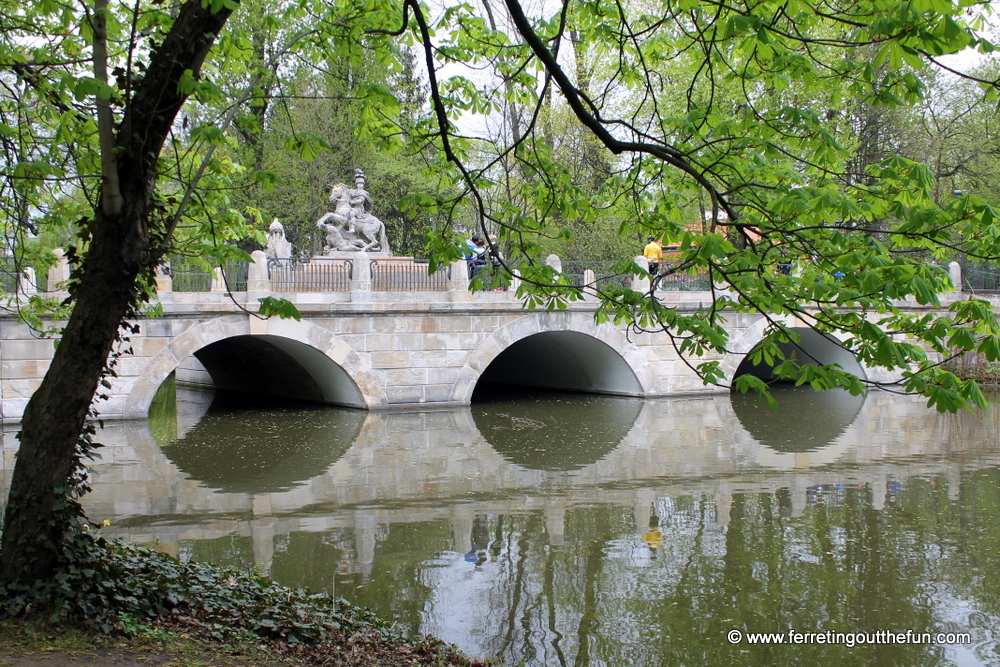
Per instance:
(567,529)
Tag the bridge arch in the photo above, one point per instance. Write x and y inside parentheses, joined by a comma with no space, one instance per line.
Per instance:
(335,372)
(588,357)
(817,347)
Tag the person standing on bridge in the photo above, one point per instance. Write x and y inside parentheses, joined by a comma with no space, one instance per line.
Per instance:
(653,252)
(477,256)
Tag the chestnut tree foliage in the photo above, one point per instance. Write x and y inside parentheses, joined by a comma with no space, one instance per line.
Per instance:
(122,127)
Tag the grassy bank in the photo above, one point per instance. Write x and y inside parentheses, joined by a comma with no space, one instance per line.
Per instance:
(976,367)
(119,599)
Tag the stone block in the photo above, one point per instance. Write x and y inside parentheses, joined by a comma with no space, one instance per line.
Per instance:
(129,365)
(469,341)
(378,341)
(14,330)
(442,376)
(13,409)
(485,355)
(454,323)
(38,348)
(112,408)
(296,330)
(437,393)
(425,324)
(404,377)
(439,358)
(24,368)
(167,327)
(147,346)
(393,359)
(404,395)
(338,351)
(159,367)
(189,376)
(352,325)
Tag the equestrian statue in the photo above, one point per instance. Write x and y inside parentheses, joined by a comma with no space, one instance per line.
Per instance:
(351,227)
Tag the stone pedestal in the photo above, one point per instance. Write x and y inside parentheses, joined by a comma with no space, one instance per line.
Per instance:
(59,273)
(640,284)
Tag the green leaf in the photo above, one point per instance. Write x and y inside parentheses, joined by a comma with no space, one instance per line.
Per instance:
(282,308)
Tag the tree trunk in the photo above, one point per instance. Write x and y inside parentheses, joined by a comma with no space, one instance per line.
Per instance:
(106,293)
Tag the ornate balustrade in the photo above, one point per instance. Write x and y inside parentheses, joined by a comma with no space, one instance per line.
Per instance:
(359,272)
(315,274)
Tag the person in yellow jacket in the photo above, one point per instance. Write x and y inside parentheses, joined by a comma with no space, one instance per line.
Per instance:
(653,253)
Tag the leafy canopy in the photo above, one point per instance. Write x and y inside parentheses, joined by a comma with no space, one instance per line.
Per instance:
(728,129)
(732,130)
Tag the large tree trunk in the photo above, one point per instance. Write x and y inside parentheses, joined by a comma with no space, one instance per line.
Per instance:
(107,293)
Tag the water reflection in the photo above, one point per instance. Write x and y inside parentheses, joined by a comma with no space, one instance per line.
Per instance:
(547,430)
(821,417)
(245,446)
(648,553)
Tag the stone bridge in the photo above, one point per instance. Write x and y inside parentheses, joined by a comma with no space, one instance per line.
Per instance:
(369,342)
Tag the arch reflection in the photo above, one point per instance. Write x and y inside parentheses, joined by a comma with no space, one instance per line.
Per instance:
(820,416)
(247,445)
(545,430)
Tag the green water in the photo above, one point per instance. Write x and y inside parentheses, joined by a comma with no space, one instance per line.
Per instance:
(554,529)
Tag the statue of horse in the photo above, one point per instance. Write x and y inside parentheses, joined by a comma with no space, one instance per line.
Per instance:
(352,208)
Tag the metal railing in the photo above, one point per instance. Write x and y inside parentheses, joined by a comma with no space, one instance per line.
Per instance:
(8,275)
(390,275)
(310,274)
(191,275)
(604,274)
(492,277)
(681,282)
(980,277)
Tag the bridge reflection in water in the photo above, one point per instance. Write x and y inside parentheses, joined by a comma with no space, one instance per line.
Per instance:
(484,527)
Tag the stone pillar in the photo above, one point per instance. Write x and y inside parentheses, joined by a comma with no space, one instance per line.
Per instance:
(218,282)
(27,284)
(164,281)
(459,281)
(554,262)
(515,280)
(640,284)
(955,272)
(361,277)
(589,284)
(257,278)
(59,273)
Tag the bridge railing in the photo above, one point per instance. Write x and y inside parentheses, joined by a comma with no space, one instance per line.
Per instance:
(406,275)
(980,277)
(18,275)
(601,274)
(310,274)
(192,275)
(9,275)
(681,282)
